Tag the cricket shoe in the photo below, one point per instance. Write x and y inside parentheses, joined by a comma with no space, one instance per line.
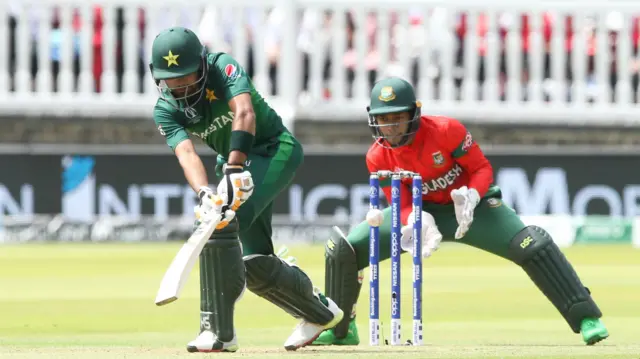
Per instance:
(305,333)
(207,342)
(328,337)
(593,331)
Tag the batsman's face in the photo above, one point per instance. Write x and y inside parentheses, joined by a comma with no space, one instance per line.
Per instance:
(181,86)
(393,126)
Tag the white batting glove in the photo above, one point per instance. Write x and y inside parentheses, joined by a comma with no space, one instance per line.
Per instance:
(236,186)
(465,201)
(207,201)
(430,235)
(375,217)
(211,205)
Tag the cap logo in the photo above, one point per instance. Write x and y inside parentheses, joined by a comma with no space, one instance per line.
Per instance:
(386,94)
(171,59)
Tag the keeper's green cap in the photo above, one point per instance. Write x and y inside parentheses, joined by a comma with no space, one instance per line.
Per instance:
(392,95)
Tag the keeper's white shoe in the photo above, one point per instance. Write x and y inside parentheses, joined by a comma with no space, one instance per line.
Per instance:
(305,333)
(207,342)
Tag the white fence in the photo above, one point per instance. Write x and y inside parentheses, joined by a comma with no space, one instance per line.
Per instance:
(500,60)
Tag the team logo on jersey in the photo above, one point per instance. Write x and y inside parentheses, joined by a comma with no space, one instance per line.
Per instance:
(231,71)
(438,159)
(192,115)
(211,96)
(494,202)
(468,141)
(386,94)
(171,59)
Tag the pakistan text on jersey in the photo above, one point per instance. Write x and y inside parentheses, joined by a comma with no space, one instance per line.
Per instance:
(443,181)
(218,123)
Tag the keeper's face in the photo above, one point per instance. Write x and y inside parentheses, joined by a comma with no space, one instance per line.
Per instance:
(393,126)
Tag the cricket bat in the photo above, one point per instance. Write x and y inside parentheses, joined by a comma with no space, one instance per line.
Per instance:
(180,268)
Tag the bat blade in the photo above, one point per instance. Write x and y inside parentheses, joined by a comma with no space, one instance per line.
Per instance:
(180,268)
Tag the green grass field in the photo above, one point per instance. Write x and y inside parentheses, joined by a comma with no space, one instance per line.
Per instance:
(97,301)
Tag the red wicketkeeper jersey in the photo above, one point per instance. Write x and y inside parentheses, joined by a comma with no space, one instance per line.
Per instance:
(443,153)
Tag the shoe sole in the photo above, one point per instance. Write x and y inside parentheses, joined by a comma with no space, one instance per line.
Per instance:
(330,325)
(296,347)
(596,339)
(336,319)
(191,349)
(338,343)
(319,344)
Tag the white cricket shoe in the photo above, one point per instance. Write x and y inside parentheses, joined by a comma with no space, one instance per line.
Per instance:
(207,342)
(305,333)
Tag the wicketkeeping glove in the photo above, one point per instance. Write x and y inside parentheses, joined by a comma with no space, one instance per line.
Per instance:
(235,187)
(210,205)
(430,235)
(465,201)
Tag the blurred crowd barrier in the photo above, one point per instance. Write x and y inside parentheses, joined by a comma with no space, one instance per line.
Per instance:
(565,230)
(535,61)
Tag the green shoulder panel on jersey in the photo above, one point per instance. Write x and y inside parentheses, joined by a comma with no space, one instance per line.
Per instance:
(167,121)
(230,79)
(464,146)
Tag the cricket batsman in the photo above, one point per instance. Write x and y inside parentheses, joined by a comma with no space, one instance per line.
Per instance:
(459,204)
(209,96)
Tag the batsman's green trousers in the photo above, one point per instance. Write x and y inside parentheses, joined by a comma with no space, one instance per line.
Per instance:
(273,167)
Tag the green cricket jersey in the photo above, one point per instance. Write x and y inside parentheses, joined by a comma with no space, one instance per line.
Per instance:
(210,119)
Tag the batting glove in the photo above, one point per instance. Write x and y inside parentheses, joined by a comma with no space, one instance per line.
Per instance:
(236,186)
(211,205)
(430,235)
(465,201)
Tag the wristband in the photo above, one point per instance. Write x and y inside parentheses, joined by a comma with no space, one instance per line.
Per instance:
(231,168)
(241,141)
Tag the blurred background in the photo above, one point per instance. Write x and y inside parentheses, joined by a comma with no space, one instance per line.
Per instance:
(548,89)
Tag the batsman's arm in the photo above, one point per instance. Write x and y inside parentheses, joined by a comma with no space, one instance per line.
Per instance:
(192,165)
(237,89)
(385,185)
(243,128)
(468,154)
(178,140)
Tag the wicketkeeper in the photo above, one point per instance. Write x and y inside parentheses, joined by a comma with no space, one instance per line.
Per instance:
(209,95)
(460,204)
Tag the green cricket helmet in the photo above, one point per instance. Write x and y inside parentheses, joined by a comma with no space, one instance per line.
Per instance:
(177,52)
(393,95)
